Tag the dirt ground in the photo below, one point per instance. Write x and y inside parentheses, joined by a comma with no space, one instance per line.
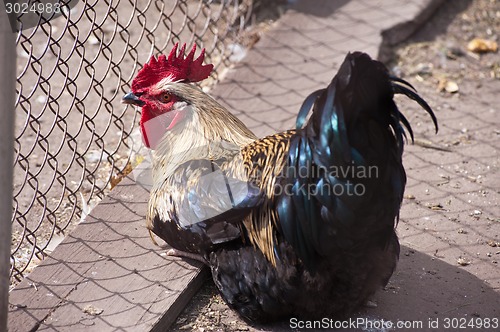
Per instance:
(451,204)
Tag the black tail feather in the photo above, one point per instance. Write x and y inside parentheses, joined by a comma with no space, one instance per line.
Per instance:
(400,89)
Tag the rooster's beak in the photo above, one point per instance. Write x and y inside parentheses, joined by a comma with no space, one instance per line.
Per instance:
(132,99)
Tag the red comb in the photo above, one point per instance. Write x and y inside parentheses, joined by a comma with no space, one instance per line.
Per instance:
(176,66)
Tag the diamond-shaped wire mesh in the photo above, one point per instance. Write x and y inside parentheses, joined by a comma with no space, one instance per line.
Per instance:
(71,130)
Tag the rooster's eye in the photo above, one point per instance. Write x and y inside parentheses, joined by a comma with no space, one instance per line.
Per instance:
(166,97)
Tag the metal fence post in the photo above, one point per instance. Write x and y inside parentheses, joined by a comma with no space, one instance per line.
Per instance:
(7,95)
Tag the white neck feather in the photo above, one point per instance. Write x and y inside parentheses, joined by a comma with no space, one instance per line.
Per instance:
(197,137)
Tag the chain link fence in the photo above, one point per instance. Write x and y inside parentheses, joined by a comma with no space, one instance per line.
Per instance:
(71,129)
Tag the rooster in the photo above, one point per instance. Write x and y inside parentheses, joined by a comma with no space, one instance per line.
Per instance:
(299,223)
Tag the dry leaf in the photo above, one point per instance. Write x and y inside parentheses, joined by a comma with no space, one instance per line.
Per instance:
(435,206)
(91,310)
(451,87)
(479,45)
(463,262)
(119,177)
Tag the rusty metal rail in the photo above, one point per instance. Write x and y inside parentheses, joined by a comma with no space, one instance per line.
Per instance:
(7,62)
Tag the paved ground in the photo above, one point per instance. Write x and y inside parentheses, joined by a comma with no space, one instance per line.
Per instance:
(450,223)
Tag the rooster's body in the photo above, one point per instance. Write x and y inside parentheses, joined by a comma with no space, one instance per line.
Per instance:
(299,223)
